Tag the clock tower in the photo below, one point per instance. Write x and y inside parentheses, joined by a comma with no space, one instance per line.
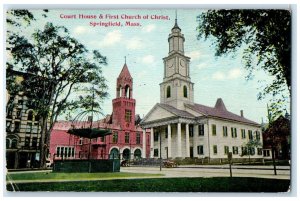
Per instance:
(176,88)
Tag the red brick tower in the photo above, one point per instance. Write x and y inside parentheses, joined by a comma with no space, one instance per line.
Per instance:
(124,104)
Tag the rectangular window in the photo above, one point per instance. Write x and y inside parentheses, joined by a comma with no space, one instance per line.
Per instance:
(69,152)
(155,152)
(126,137)
(200,150)
(34,142)
(259,151)
(214,129)
(201,129)
(244,151)
(18,114)
(27,142)
(17,126)
(257,135)
(250,135)
(156,136)
(80,141)
(128,115)
(252,150)
(73,152)
(226,150)
(191,130)
(166,132)
(29,128)
(235,150)
(138,138)
(115,137)
(102,139)
(61,151)
(215,149)
(266,153)
(233,132)
(243,133)
(57,151)
(225,134)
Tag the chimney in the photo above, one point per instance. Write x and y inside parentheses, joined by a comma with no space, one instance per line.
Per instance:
(242,113)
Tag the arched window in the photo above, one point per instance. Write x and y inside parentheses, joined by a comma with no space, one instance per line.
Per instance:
(30,116)
(185,91)
(120,92)
(8,143)
(14,143)
(168,91)
(127,91)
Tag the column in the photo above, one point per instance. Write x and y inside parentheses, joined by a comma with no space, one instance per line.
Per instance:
(187,141)
(169,141)
(195,140)
(144,144)
(179,154)
(151,143)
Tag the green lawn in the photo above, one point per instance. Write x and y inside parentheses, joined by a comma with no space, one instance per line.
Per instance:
(73,176)
(218,184)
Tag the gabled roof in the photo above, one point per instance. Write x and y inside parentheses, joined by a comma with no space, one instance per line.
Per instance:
(219,111)
(177,112)
(125,72)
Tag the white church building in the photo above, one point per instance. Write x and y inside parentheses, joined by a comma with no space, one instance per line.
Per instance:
(190,130)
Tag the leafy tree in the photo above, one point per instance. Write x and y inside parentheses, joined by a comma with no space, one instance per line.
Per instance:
(264,36)
(250,146)
(60,74)
(277,134)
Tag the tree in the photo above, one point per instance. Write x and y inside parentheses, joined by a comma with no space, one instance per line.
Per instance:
(277,134)
(60,74)
(250,147)
(264,35)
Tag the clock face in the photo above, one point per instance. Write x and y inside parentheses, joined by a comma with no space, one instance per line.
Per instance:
(170,67)
(182,69)
(170,64)
(182,63)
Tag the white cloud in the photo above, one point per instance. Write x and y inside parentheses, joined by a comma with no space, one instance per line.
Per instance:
(230,75)
(134,43)
(202,66)
(149,28)
(111,38)
(218,76)
(234,73)
(149,59)
(195,55)
(80,30)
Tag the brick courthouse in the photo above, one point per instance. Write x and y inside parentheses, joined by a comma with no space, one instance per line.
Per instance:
(127,140)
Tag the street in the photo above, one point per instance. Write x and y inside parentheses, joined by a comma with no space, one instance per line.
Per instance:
(283,172)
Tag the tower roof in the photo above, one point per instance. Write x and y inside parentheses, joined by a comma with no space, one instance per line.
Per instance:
(220,105)
(176,25)
(125,72)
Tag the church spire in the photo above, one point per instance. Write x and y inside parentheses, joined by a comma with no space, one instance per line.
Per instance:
(176,25)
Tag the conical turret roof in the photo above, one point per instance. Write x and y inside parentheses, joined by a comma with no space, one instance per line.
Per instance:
(125,72)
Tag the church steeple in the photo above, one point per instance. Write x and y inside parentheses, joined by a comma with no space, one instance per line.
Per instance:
(176,39)
(124,83)
(176,88)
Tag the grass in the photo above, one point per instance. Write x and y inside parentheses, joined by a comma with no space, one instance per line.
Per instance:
(73,176)
(217,184)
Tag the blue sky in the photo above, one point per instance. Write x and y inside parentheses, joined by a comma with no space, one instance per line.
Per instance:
(144,47)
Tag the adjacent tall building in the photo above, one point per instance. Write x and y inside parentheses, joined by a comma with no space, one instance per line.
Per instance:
(187,129)
(128,139)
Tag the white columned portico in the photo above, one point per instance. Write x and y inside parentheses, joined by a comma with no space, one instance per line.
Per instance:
(187,141)
(144,144)
(169,141)
(179,154)
(151,143)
